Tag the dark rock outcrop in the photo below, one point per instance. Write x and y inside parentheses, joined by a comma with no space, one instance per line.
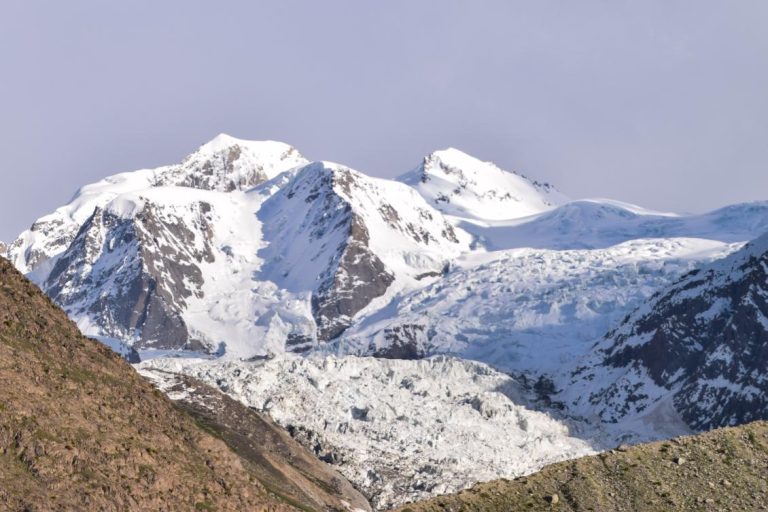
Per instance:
(359,278)
(147,264)
(704,338)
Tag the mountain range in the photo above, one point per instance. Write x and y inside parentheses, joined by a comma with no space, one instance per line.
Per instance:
(293,285)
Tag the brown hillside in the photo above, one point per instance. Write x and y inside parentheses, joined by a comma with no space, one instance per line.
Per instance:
(81,430)
(721,470)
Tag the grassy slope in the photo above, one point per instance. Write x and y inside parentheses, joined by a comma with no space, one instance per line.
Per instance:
(725,469)
(80,430)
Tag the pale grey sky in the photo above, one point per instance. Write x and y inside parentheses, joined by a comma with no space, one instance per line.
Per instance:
(658,102)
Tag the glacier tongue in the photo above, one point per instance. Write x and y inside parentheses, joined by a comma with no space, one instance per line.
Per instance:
(399,430)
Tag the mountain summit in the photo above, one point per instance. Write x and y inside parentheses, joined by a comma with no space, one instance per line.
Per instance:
(458,184)
(243,244)
(226,164)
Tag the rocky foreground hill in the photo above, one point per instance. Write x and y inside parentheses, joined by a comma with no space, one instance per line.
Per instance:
(81,430)
(724,469)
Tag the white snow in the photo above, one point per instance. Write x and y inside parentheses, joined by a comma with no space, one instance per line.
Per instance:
(51,234)
(531,309)
(401,430)
(460,185)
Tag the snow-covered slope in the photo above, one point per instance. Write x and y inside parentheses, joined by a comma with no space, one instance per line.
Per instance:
(703,342)
(460,185)
(601,223)
(140,265)
(527,309)
(399,430)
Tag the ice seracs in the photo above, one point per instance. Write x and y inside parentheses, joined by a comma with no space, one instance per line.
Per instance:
(399,430)
(527,310)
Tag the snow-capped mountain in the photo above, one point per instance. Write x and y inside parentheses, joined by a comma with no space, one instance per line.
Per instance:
(702,341)
(460,185)
(246,247)
(347,238)
(181,257)
(224,163)
(245,250)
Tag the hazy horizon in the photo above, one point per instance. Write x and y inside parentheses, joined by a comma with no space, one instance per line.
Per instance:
(659,103)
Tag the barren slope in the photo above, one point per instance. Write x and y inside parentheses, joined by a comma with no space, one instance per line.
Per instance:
(724,469)
(79,429)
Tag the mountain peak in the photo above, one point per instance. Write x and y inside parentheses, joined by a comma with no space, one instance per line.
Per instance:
(461,185)
(226,163)
(224,142)
(454,156)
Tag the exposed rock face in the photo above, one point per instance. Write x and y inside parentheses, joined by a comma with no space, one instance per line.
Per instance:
(406,341)
(144,267)
(360,277)
(335,230)
(703,339)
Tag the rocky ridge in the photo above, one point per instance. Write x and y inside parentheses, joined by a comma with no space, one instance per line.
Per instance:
(701,340)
